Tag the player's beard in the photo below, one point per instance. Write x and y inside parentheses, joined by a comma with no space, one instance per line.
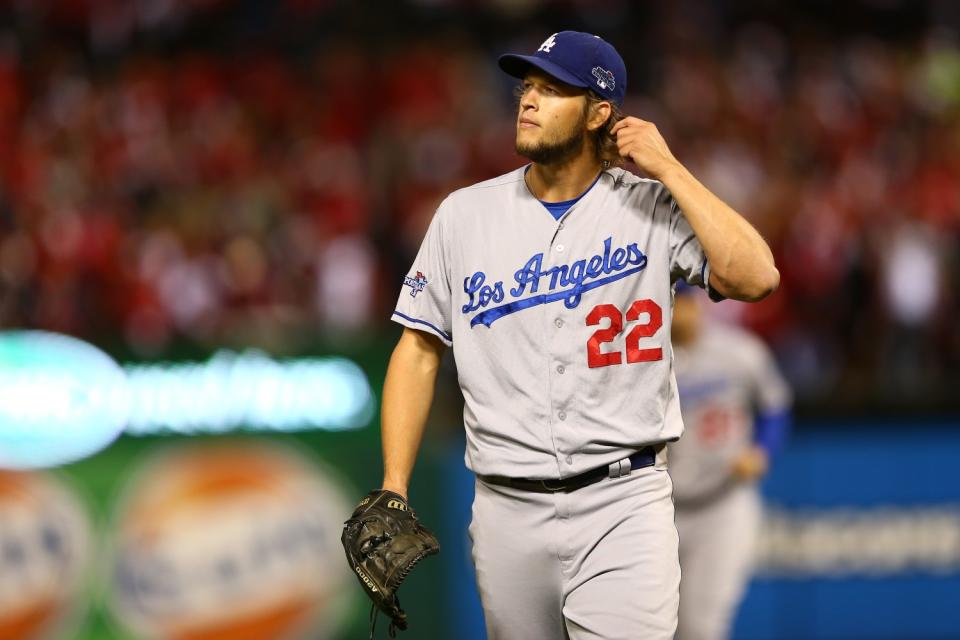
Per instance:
(558,149)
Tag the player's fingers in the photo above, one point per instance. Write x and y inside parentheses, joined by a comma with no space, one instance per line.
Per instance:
(626,122)
(627,133)
(628,137)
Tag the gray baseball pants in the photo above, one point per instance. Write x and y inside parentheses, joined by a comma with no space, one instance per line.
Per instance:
(717,547)
(598,563)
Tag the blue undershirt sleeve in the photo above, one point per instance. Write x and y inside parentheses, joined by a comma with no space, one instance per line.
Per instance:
(771,430)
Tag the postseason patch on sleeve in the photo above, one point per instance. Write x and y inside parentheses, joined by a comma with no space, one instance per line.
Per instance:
(416,283)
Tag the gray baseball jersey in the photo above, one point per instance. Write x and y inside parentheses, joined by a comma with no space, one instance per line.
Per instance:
(560,328)
(726,377)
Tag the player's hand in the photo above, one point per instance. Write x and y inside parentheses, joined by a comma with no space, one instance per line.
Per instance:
(641,142)
(751,465)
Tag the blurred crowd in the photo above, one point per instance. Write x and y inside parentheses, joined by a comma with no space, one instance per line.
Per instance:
(219,172)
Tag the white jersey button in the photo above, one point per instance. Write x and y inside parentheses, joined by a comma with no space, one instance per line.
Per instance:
(558,322)
(562,415)
(560,369)
(569,459)
(559,247)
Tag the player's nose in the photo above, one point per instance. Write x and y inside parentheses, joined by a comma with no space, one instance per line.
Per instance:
(529,98)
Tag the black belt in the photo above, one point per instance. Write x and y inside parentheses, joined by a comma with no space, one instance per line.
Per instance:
(646,457)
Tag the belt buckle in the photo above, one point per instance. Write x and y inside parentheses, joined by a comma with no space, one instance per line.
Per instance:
(551,489)
(619,469)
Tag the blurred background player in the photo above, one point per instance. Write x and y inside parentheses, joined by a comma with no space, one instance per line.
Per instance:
(736,414)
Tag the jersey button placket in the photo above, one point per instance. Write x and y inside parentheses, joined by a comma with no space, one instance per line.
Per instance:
(560,391)
(560,395)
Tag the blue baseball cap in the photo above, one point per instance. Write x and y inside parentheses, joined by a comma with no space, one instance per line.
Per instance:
(576,58)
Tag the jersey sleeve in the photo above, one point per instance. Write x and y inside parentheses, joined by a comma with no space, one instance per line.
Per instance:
(772,394)
(425,298)
(687,260)
(772,397)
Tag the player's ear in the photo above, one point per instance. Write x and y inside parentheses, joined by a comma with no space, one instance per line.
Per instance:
(598,114)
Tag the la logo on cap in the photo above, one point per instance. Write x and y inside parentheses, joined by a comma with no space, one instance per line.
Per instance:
(548,44)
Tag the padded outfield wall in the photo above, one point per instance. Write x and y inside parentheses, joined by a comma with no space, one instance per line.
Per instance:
(861,539)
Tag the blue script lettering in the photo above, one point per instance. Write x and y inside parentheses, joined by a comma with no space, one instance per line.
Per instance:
(558,274)
(481,294)
(619,259)
(595,266)
(528,274)
(575,279)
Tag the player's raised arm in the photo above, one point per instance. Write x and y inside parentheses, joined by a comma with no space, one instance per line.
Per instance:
(407,396)
(741,264)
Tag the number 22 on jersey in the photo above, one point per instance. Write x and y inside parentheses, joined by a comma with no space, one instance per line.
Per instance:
(596,358)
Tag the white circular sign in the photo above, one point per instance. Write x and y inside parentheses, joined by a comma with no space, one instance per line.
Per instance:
(237,541)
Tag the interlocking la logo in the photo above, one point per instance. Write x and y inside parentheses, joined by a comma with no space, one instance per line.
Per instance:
(548,44)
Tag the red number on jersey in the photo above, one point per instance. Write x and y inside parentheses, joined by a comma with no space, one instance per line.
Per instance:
(594,357)
(643,330)
(715,426)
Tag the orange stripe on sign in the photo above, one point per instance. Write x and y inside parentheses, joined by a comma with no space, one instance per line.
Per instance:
(277,622)
(30,622)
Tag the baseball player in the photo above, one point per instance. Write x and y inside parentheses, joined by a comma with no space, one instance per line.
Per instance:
(554,286)
(736,413)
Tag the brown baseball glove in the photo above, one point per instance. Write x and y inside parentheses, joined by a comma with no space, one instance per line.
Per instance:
(383,541)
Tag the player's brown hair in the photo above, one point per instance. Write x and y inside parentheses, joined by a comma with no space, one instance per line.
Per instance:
(605,142)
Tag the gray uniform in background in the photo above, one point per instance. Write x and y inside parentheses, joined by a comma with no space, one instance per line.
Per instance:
(726,377)
(561,334)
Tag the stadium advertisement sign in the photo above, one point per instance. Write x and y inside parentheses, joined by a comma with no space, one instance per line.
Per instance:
(62,399)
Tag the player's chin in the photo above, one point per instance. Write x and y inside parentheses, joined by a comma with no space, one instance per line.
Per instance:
(527,145)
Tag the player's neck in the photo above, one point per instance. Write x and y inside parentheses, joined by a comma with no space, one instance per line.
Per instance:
(557,182)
